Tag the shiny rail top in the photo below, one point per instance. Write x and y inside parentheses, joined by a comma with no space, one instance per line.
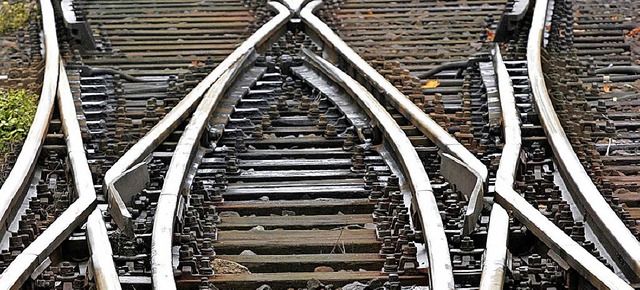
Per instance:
(16,184)
(585,193)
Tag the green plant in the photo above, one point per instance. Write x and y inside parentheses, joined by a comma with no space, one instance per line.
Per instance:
(17,109)
(13,16)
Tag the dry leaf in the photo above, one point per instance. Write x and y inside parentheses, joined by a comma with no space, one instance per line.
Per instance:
(196,63)
(634,32)
(430,84)
(490,35)
(606,88)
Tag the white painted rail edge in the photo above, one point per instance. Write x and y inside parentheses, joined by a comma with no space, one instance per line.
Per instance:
(104,269)
(21,268)
(14,187)
(441,271)
(580,185)
(138,152)
(174,186)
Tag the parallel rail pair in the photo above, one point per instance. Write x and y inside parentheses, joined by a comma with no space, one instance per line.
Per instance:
(440,264)
(55,89)
(493,266)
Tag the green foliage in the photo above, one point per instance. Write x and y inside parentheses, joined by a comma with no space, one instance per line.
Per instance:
(17,109)
(13,16)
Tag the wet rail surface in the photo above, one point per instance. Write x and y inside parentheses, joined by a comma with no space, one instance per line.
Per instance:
(243,166)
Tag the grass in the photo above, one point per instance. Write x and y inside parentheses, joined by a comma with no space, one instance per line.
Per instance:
(13,16)
(17,109)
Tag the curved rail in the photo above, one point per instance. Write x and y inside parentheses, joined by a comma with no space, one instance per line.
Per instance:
(404,105)
(417,117)
(561,244)
(622,243)
(413,170)
(174,185)
(553,237)
(21,268)
(570,251)
(161,241)
(104,269)
(16,184)
(145,146)
(407,108)
(497,237)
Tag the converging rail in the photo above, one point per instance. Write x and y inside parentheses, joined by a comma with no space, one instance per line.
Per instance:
(576,256)
(177,179)
(439,261)
(16,184)
(106,276)
(621,245)
(288,160)
(493,269)
(413,171)
(39,250)
(138,152)
(215,83)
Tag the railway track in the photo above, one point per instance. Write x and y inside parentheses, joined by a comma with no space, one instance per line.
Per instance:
(537,151)
(609,77)
(589,197)
(274,156)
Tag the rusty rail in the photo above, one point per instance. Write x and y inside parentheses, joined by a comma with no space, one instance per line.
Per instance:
(174,186)
(561,244)
(493,266)
(441,276)
(576,256)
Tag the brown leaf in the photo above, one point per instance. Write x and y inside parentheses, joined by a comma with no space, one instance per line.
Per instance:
(430,84)
(634,32)
(490,35)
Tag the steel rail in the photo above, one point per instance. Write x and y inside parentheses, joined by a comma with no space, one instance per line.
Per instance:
(39,250)
(623,247)
(440,275)
(523,211)
(174,182)
(412,167)
(145,146)
(104,269)
(560,243)
(418,118)
(493,265)
(16,184)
